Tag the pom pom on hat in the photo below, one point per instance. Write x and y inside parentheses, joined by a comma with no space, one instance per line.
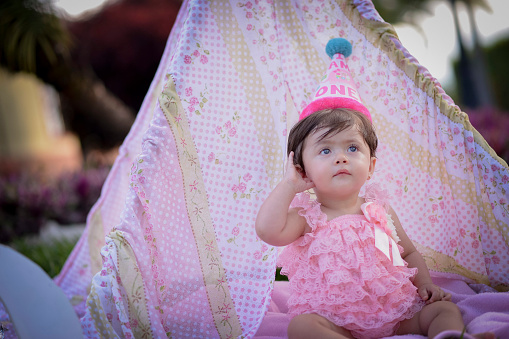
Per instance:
(338,45)
(337,89)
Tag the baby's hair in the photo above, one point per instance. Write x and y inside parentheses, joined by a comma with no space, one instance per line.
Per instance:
(332,121)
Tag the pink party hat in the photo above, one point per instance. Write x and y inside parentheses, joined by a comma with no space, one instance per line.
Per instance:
(336,89)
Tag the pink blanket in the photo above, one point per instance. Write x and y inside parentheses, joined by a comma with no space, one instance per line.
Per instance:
(483,308)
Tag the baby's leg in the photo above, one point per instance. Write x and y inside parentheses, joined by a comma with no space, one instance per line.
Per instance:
(433,319)
(438,317)
(314,326)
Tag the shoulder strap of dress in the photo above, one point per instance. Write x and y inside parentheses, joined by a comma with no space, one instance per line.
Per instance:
(309,209)
(301,200)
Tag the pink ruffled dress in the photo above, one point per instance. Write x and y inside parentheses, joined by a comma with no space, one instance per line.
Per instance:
(337,272)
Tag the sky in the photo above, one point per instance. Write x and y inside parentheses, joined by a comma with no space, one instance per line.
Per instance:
(434,47)
(76,7)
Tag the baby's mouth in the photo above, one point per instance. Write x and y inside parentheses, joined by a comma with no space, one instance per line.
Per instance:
(342,171)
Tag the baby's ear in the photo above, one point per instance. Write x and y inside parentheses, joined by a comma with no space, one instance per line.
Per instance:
(301,171)
(372,164)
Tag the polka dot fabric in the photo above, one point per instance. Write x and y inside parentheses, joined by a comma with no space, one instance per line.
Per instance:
(181,258)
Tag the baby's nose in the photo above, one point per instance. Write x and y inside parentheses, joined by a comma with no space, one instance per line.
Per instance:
(342,159)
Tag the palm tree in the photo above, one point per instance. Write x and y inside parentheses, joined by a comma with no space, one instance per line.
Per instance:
(33,39)
(474,93)
(484,88)
(466,75)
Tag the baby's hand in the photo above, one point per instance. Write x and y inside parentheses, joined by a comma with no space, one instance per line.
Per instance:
(431,293)
(294,178)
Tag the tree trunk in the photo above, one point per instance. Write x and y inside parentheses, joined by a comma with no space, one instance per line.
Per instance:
(482,83)
(469,96)
(99,118)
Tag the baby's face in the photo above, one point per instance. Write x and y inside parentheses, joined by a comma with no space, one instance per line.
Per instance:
(339,163)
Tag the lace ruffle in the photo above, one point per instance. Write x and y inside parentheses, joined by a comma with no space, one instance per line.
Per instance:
(357,304)
(375,193)
(309,209)
(337,272)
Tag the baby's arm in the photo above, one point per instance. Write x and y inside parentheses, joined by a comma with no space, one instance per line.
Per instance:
(275,223)
(428,291)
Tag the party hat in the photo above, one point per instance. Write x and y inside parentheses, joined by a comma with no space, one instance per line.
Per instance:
(336,89)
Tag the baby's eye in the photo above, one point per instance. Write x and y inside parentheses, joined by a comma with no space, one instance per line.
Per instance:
(325,151)
(352,148)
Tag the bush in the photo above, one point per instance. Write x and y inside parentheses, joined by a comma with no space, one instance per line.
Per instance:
(493,124)
(27,202)
(49,256)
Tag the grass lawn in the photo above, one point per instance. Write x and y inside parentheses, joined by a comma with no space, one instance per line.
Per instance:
(50,256)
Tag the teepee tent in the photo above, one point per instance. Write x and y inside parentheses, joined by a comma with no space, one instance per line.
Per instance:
(170,248)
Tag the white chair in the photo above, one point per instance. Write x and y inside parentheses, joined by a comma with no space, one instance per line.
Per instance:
(37,307)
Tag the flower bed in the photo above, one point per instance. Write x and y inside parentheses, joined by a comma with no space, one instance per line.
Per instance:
(27,202)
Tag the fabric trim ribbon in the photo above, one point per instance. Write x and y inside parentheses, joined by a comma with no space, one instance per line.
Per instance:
(383,234)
